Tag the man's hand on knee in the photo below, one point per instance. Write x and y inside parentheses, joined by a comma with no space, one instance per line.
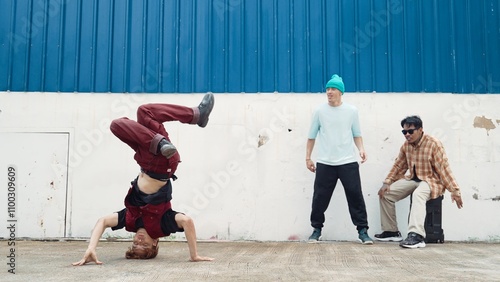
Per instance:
(384,190)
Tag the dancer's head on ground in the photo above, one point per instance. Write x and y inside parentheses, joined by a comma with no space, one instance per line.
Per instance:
(143,246)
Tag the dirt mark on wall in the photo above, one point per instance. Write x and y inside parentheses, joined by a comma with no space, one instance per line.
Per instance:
(262,140)
(486,123)
(476,196)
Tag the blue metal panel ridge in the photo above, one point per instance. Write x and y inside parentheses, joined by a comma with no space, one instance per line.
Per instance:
(234,46)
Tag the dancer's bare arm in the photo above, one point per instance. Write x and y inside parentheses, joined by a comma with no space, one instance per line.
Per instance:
(186,223)
(101,225)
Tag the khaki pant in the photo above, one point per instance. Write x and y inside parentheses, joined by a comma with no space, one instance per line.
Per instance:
(398,191)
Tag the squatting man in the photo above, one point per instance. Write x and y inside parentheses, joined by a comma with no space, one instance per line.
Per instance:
(423,156)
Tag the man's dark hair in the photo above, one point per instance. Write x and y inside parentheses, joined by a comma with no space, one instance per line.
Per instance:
(412,120)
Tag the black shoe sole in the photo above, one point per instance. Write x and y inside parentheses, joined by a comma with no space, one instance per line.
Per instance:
(418,245)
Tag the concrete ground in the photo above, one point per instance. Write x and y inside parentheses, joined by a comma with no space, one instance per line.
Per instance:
(257,261)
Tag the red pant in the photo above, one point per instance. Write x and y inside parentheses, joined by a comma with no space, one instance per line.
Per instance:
(144,134)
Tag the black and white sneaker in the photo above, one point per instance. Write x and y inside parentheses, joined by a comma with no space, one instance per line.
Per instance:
(413,241)
(386,236)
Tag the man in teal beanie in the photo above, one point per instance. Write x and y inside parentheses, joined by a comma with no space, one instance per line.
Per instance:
(335,82)
(336,126)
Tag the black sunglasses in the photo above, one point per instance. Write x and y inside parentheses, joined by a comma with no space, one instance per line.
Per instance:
(409,131)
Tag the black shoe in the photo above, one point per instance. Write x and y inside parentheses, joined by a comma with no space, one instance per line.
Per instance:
(413,241)
(166,148)
(387,236)
(315,236)
(205,107)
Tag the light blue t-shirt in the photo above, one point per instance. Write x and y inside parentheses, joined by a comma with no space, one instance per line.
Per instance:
(334,129)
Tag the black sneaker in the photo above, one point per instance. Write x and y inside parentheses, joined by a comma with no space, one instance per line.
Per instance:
(387,236)
(166,148)
(205,107)
(413,241)
(315,236)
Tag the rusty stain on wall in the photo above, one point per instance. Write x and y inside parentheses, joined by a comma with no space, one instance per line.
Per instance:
(483,122)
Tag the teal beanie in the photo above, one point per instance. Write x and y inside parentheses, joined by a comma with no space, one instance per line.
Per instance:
(335,82)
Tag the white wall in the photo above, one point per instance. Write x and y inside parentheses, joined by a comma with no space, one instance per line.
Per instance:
(232,187)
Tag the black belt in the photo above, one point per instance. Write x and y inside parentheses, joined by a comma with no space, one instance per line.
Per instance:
(159,176)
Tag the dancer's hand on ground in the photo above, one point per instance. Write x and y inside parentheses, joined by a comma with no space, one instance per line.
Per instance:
(90,256)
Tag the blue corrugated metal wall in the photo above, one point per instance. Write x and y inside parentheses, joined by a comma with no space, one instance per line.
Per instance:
(249,45)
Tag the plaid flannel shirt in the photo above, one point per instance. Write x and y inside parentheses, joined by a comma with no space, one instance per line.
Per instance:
(431,165)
